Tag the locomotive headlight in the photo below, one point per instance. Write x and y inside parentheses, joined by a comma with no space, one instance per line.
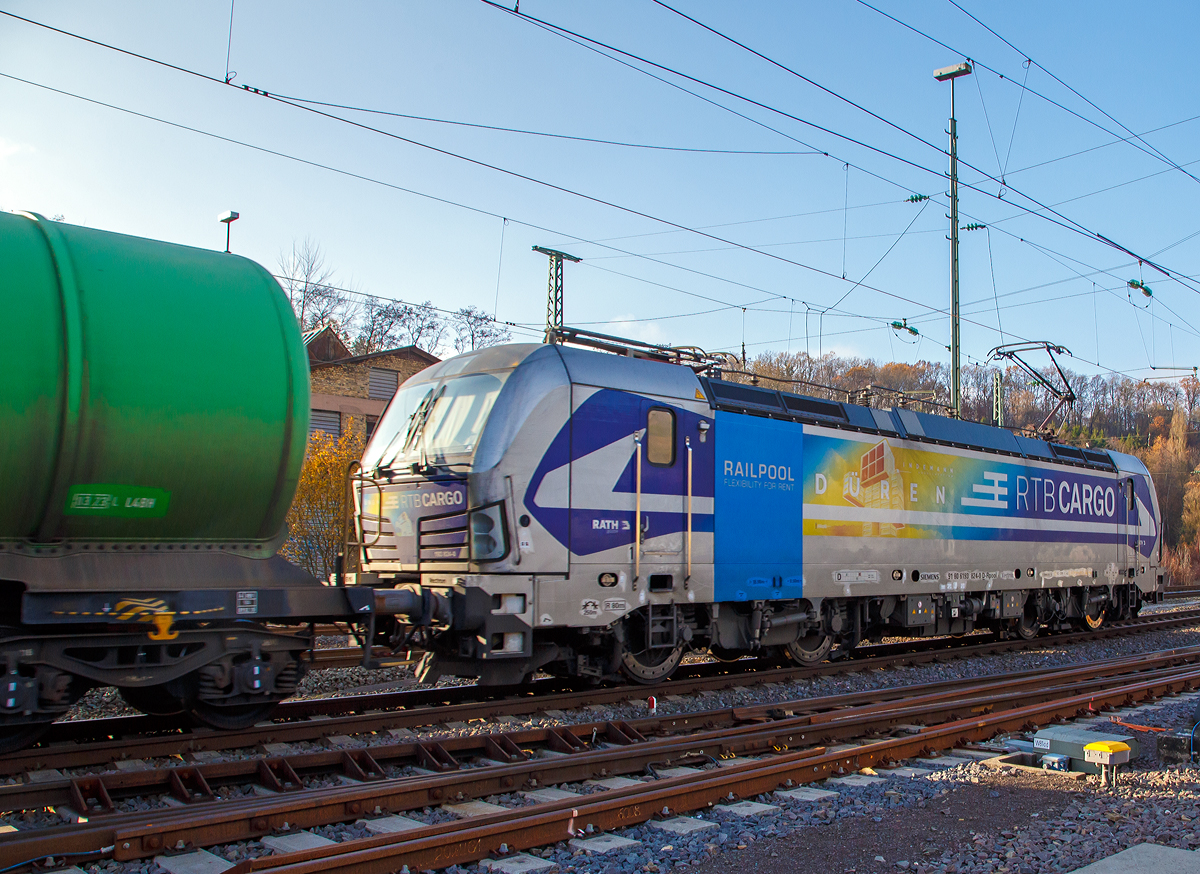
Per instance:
(489,540)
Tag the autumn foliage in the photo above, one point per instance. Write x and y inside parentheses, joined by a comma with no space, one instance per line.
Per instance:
(315,518)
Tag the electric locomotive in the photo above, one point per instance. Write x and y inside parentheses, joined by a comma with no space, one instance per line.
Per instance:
(601,507)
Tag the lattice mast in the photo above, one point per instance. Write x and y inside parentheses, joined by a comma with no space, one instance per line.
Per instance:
(554,292)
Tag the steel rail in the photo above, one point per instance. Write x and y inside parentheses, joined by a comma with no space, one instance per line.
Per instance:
(70,744)
(245,819)
(468,841)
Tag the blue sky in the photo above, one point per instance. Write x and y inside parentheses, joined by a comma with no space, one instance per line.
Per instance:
(816,205)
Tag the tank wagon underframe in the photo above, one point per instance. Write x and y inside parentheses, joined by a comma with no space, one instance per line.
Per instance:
(612,513)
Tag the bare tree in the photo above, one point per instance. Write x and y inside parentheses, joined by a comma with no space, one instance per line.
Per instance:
(422,327)
(384,324)
(307,281)
(380,325)
(475,329)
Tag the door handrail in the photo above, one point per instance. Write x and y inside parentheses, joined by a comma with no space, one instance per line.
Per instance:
(688,442)
(637,510)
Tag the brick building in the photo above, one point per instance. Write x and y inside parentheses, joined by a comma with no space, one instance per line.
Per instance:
(358,387)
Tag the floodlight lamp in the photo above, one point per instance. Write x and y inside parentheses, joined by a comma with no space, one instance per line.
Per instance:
(953,71)
(228,216)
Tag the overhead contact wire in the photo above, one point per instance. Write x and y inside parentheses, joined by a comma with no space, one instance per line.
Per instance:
(498,169)
(1032,91)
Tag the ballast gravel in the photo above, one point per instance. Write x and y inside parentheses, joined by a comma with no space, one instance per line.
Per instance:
(998,664)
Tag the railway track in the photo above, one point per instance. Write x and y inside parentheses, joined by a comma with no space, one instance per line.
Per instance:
(689,762)
(98,742)
(472,839)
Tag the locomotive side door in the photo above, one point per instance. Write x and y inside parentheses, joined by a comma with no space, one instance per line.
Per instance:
(1127,526)
(629,456)
(661,501)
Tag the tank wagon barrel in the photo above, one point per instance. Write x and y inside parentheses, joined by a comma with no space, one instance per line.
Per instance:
(159,390)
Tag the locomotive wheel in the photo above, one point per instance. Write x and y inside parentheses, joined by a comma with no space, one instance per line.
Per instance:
(721,654)
(1028,627)
(812,649)
(233,717)
(1095,615)
(649,668)
(154,700)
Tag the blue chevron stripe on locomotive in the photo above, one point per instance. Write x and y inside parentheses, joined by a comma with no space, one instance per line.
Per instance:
(596,447)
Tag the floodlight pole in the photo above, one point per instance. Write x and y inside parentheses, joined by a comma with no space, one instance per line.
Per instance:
(952,73)
(554,298)
(227,218)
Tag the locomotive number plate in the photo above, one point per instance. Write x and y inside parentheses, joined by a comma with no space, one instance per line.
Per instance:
(247,603)
(847,576)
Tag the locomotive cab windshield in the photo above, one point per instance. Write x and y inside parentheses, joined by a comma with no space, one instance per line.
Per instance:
(437,417)
(437,423)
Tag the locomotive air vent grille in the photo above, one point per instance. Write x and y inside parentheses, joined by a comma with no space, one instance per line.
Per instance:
(378,532)
(1070,452)
(1098,456)
(813,406)
(442,538)
(746,395)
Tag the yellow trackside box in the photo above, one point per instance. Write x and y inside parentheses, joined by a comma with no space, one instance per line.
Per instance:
(1106,752)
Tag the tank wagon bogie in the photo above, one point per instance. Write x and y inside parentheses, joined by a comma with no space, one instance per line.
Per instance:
(590,514)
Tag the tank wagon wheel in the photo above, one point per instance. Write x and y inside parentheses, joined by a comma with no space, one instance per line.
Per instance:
(811,649)
(233,717)
(17,737)
(154,700)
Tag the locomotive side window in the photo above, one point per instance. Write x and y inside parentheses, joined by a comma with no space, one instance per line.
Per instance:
(660,437)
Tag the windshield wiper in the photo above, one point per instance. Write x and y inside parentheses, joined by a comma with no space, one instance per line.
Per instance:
(420,419)
(413,420)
